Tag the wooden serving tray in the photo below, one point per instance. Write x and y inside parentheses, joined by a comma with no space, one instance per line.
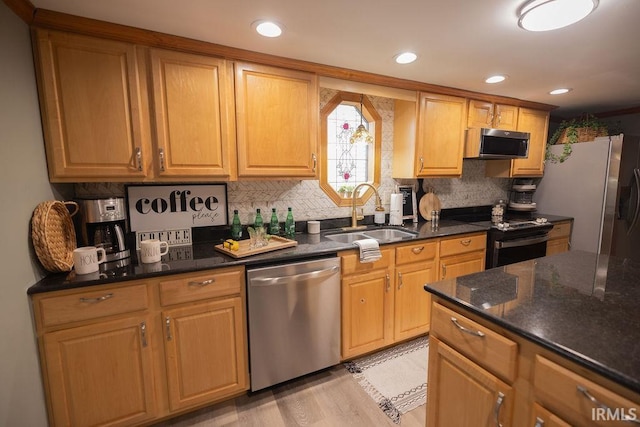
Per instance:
(275,243)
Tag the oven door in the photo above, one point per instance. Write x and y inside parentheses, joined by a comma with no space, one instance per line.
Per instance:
(509,251)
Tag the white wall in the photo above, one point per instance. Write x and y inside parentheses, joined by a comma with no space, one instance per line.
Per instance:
(23,184)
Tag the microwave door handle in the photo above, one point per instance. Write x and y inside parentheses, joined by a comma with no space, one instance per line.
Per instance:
(521,242)
(634,222)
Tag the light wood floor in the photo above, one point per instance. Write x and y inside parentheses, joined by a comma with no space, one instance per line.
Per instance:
(328,398)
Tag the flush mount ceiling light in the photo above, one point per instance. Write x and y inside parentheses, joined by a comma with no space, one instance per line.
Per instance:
(361,134)
(406,57)
(267,28)
(545,15)
(495,79)
(560,91)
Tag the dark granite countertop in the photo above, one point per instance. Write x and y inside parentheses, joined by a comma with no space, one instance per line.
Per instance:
(203,256)
(578,304)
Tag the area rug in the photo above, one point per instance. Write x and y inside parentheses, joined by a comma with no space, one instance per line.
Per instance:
(396,378)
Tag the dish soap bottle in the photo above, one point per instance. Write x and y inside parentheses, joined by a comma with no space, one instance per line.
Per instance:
(289,224)
(274,226)
(236,226)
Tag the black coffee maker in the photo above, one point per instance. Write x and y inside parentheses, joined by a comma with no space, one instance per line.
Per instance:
(104,224)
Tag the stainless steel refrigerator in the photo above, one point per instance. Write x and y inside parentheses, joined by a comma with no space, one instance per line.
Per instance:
(598,185)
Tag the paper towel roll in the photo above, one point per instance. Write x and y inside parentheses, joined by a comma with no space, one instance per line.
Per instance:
(395,209)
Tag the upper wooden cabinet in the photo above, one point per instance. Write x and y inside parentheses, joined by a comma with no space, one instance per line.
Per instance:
(277,114)
(483,114)
(434,147)
(536,122)
(93,108)
(193,108)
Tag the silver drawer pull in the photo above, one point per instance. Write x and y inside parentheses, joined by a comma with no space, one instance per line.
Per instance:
(399,280)
(466,242)
(499,403)
(417,250)
(539,422)
(388,282)
(601,405)
(167,323)
(203,283)
(468,331)
(139,158)
(143,333)
(95,300)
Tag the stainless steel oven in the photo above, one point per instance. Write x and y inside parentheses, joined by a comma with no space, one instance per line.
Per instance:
(519,242)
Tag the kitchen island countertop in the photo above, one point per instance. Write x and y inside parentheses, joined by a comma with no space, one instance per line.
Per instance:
(595,323)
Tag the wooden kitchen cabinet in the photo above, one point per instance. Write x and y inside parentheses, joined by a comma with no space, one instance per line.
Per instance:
(462,255)
(536,122)
(278,115)
(484,114)
(559,238)
(193,108)
(541,417)
(94,108)
(436,147)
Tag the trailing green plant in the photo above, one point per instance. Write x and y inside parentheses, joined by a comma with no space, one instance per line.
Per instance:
(571,130)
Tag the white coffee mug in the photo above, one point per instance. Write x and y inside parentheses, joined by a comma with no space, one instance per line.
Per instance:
(152,250)
(87,259)
(313,227)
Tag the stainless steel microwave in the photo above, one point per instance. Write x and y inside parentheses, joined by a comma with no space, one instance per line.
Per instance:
(483,143)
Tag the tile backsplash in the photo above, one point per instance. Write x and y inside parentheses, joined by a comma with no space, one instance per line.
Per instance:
(308,201)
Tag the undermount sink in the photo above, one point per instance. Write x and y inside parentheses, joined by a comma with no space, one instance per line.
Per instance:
(382,235)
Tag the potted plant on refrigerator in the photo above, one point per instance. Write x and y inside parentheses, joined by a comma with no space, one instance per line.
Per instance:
(582,129)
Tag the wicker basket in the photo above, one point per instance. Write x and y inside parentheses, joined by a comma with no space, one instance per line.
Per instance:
(584,134)
(53,235)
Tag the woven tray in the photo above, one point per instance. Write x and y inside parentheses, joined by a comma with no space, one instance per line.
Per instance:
(53,234)
(584,135)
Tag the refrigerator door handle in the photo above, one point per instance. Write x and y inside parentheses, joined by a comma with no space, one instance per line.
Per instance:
(634,222)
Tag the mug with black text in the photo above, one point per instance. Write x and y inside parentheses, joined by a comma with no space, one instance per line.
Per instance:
(152,250)
(87,259)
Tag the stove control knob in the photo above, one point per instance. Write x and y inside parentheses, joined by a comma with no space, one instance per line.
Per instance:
(541,220)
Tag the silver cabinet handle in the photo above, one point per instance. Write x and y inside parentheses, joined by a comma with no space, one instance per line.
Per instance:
(634,221)
(465,242)
(161,157)
(421,163)
(315,161)
(139,158)
(399,281)
(499,403)
(444,271)
(468,331)
(203,283)
(98,299)
(417,250)
(539,422)
(388,281)
(499,118)
(601,405)
(167,325)
(143,333)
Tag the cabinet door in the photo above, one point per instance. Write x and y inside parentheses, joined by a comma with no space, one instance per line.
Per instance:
(412,303)
(101,374)
(205,351)
(462,394)
(194,116)
(440,135)
(505,117)
(367,310)
(556,246)
(277,122)
(537,124)
(459,265)
(480,114)
(542,417)
(94,114)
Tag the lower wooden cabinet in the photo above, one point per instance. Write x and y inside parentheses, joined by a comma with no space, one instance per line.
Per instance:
(541,417)
(462,255)
(412,314)
(461,393)
(559,238)
(131,353)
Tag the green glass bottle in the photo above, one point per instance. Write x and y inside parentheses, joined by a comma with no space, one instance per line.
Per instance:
(289,224)
(258,221)
(274,226)
(236,226)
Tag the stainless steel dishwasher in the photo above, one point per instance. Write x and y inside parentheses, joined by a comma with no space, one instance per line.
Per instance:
(294,320)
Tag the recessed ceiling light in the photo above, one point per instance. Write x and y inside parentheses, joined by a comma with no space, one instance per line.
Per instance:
(560,91)
(406,57)
(495,79)
(267,28)
(545,15)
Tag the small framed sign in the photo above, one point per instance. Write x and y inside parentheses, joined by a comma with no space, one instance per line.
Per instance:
(175,206)
(409,204)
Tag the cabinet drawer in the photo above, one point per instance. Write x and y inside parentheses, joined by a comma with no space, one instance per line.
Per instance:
(463,244)
(92,304)
(351,262)
(565,392)
(194,287)
(422,251)
(561,229)
(491,350)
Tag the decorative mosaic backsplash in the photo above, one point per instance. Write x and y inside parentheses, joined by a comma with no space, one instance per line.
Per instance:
(308,201)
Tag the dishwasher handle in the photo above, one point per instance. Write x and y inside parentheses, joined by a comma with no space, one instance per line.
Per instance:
(270,281)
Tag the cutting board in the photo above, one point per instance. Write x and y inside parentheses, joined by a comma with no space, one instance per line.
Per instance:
(245,250)
(429,202)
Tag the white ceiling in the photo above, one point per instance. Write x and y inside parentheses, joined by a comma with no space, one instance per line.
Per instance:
(459,42)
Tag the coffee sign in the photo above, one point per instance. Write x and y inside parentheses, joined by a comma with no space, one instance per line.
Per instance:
(164,207)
